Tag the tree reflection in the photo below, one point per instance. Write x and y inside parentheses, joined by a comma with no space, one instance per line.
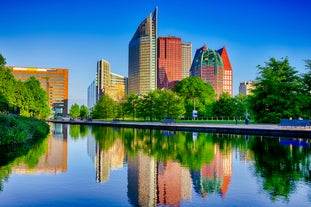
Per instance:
(12,155)
(280,167)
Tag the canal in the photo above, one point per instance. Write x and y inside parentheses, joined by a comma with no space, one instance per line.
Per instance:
(81,165)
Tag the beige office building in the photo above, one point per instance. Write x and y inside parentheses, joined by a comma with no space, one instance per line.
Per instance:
(142,69)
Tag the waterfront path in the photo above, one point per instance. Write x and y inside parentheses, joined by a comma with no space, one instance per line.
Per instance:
(250,129)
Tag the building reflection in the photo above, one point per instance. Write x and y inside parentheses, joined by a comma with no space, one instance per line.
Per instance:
(173,184)
(105,161)
(164,183)
(142,180)
(55,158)
(214,177)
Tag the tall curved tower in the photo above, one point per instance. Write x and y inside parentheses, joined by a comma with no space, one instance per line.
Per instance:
(142,66)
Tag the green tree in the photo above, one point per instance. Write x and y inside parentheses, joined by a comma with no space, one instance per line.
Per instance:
(84,111)
(306,89)
(195,93)
(105,108)
(276,93)
(225,106)
(161,104)
(2,61)
(37,99)
(74,111)
(131,105)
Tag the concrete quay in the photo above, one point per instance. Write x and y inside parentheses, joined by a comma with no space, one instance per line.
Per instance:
(243,129)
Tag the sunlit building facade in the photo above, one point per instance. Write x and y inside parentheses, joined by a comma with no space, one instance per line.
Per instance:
(169,61)
(246,87)
(103,77)
(142,66)
(107,83)
(227,80)
(213,67)
(186,49)
(53,80)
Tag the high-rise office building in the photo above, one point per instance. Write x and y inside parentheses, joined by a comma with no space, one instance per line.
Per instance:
(169,61)
(213,67)
(91,95)
(142,69)
(107,83)
(246,87)
(186,49)
(53,80)
(208,65)
(227,80)
(103,78)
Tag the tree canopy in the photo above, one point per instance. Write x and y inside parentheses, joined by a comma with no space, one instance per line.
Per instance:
(195,93)
(28,96)
(277,92)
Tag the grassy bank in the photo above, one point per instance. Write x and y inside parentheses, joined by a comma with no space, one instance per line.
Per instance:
(19,129)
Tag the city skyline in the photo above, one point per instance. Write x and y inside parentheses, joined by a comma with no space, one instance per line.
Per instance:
(77,35)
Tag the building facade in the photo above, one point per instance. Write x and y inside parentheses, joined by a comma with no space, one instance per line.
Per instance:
(142,69)
(53,80)
(246,87)
(91,95)
(186,49)
(169,61)
(208,65)
(103,78)
(107,83)
(227,80)
(213,67)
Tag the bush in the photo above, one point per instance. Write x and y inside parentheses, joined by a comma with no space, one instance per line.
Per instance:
(19,129)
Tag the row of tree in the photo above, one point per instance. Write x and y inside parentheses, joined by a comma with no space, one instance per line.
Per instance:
(279,93)
(28,96)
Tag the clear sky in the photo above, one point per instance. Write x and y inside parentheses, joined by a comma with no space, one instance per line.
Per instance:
(75,34)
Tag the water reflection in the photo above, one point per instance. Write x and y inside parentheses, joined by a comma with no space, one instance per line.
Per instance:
(48,155)
(165,168)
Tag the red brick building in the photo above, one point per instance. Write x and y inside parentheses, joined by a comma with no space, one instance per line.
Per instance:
(169,61)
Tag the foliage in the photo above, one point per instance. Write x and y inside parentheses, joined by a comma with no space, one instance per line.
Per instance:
(28,96)
(37,99)
(74,111)
(306,89)
(160,104)
(195,93)
(224,106)
(2,60)
(105,108)
(276,95)
(131,104)
(19,129)
(84,112)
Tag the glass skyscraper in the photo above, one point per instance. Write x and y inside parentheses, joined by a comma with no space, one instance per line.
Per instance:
(142,67)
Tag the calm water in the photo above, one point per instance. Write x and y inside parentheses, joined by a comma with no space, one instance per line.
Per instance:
(101,166)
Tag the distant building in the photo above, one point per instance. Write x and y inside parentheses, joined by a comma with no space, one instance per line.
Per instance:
(103,78)
(246,87)
(52,80)
(142,69)
(186,49)
(213,67)
(169,61)
(107,83)
(227,79)
(91,95)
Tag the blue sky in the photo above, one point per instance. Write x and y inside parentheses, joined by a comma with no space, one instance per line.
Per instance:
(75,34)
